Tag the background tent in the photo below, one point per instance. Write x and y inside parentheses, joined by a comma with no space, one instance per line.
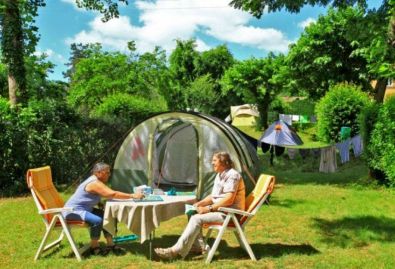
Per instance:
(244,115)
(174,149)
(280,133)
(277,135)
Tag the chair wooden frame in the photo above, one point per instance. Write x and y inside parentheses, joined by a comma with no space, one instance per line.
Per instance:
(254,201)
(52,216)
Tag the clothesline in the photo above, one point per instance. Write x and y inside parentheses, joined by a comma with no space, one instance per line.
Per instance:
(327,154)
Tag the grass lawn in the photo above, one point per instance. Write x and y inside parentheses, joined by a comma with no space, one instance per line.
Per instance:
(314,220)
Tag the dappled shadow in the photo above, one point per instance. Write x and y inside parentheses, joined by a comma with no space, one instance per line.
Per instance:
(278,249)
(261,251)
(288,203)
(356,231)
(136,248)
(224,251)
(55,250)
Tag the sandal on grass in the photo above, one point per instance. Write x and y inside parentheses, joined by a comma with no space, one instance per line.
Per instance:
(115,249)
(97,251)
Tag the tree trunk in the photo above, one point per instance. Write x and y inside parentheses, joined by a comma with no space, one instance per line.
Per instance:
(379,89)
(12,47)
(263,108)
(12,89)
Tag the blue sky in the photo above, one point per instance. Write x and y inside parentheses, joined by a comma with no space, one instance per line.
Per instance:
(160,22)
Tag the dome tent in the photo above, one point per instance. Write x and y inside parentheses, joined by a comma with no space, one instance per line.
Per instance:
(243,115)
(174,149)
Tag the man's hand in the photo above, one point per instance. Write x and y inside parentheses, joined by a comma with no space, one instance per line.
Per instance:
(203,209)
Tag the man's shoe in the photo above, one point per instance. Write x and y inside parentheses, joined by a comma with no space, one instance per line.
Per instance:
(166,253)
(198,250)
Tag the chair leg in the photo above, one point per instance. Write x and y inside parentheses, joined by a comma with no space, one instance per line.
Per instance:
(45,238)
(236,233)
(218,239)
(70,238)
(54,243)
(207,237)
(243,238)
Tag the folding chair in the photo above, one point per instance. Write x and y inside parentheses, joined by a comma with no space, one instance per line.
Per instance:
(50,206)
(254,201)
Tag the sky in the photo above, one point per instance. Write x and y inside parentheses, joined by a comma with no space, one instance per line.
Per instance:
(153,23)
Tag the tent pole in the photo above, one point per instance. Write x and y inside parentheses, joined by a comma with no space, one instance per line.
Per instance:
(149,159)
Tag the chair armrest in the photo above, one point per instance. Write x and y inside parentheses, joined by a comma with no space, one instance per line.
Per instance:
(55,210)
(235,211)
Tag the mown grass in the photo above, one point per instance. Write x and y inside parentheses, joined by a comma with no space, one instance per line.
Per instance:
(315,220)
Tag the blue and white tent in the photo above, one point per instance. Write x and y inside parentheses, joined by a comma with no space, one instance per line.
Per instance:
(281,134)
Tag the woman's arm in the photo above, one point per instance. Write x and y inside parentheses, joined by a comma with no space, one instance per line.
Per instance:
(101,189)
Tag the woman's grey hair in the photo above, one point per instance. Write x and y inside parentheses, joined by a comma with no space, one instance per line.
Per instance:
(224,159)
(99,167)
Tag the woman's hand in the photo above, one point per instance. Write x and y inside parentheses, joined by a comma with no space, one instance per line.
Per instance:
(137,195)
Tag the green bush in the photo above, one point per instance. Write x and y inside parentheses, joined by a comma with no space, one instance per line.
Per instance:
(50,133)
(340,107)
(366,120)
(381,146)
(129,109)
(13,154)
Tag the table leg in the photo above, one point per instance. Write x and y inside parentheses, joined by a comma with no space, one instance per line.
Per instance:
(151,237)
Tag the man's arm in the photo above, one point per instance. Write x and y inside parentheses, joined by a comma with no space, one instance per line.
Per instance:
(206,201)
(227,200)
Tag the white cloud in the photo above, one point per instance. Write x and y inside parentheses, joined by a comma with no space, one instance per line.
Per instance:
(162,22)
(51,55)
(306,22)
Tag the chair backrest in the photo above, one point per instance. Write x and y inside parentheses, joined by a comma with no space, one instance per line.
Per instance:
(45,195)
(263,188)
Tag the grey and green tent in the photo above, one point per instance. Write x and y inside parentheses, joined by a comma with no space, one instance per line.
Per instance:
(174,149)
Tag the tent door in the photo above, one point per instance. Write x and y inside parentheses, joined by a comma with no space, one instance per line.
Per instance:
(178,158)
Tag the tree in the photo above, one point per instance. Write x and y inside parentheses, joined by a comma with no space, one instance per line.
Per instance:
(97,77)
(183,68)
(257,7)
(214,62)
(150,76)
(257,81)
(324,54)
(78,52)
(381,46)
(19,36)
(103,76)
(201,95)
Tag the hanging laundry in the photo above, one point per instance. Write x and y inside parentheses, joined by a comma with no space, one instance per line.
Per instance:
(291,153)
(315,153)
(357,145)
(295,118)
(286,118)
(344,150)
(328,160)
(304,153)
(265,147)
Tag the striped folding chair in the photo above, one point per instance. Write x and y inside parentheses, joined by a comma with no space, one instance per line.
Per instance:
(263,188)
(50,206)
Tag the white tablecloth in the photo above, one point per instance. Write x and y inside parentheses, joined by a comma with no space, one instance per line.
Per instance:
(143,217)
